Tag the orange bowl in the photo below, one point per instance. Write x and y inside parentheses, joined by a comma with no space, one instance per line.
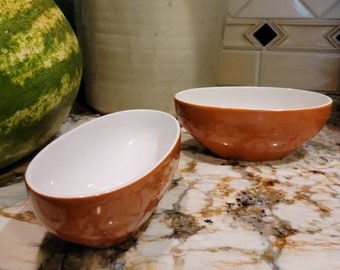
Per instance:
(252,123)
(98,184)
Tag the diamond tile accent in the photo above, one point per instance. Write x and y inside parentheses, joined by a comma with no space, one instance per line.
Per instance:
(320,37)
(335,37)
(265,34)
(283,43)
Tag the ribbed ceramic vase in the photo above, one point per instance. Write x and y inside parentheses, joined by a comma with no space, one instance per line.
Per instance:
(138,54)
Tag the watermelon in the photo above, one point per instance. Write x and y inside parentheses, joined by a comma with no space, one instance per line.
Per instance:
(40,74)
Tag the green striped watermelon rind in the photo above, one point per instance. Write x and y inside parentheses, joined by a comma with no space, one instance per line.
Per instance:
(40,73)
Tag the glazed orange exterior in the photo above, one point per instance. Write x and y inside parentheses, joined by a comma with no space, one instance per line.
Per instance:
(108,218)
(252,135)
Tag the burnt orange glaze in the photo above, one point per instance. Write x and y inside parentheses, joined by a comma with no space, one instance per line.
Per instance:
(110,218)
(253,135)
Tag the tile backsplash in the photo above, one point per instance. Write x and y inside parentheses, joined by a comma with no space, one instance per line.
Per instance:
(286,43)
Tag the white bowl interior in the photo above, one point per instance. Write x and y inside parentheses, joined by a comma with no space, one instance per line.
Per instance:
(103,154)
(257,98)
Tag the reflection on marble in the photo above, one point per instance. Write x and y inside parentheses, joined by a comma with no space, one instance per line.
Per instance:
(218,214)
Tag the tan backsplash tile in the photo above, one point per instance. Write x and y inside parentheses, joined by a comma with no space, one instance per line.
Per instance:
(239,68)
(333,13)
(306,70)
(236,34)
(282,43)
(305,35)
(320,7)
(234,6)
(274,9)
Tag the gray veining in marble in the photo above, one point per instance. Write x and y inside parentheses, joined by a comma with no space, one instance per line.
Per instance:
(217,214)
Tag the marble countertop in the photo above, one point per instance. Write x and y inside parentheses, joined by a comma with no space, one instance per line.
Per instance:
(217,214)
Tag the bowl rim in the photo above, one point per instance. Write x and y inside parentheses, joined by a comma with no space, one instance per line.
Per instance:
(179,100)
(133,180)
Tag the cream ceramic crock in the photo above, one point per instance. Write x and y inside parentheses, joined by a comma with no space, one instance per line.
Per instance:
(138,54)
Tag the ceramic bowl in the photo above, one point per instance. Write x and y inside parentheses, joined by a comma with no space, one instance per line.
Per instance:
(97,184)
(252,123)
